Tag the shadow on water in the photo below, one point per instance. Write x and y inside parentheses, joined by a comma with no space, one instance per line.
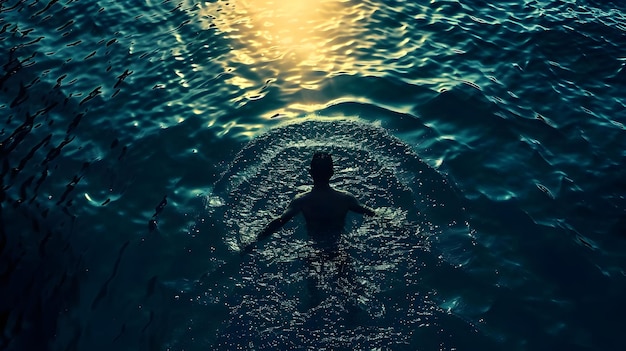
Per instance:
(44,106)
(39,264)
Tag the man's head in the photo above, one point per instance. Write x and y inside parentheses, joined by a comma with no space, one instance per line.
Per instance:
(321,167)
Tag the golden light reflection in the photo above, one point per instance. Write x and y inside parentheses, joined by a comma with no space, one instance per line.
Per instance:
(293,39)
(269,30)
(274,28)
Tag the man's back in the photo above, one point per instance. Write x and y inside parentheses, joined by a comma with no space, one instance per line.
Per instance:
(325,210)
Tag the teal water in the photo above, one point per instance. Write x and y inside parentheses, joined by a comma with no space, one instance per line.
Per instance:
(140,143)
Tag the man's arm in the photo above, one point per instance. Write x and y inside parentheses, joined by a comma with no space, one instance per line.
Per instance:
(276,224)
(358,207)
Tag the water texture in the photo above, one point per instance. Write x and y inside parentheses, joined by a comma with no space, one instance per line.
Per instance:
(142,143)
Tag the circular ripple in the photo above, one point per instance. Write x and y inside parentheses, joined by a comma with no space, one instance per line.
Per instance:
(288,291)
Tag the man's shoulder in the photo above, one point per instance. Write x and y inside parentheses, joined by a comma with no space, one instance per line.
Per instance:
(301,196)
(343,192)
(344,195)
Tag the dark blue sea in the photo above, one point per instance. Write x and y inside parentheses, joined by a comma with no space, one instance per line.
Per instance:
(143,143)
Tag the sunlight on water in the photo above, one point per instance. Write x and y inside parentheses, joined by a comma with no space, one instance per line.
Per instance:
(294,33)
(297,40)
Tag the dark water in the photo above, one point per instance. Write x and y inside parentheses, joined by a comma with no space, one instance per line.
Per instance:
(142,143)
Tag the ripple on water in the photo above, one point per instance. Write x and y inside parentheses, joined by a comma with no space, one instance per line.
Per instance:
(389,255)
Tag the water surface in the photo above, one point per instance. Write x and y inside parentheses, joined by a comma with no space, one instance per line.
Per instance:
(141,142)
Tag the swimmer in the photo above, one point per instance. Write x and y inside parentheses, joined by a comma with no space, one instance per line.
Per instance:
(323,207)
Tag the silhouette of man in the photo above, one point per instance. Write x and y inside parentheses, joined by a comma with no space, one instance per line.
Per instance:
(323,207)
